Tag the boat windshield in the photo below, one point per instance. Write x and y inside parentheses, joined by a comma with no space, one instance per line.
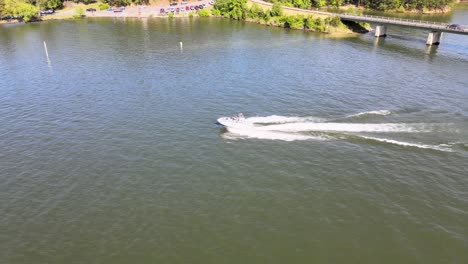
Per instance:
(238,117)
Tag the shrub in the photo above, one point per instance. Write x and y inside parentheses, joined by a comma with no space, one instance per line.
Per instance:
(235,9)
(295,22)
(276,9)
(190,14)
(171,15)
(382,7)
(215,12)
(204,13)
(79,12)
(103,6)
(315,24)
(18,9)
(320,3)
(334,21)
(118,2)
(401,9)
(255,11)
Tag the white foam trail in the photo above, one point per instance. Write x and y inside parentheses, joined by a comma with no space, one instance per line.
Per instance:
(344,127)
(271,135)
(376,112)
(275,119)
(407,144)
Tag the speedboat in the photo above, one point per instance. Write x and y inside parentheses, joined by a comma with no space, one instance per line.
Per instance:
(237,121)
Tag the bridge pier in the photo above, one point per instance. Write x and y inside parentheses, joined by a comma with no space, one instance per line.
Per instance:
(380,31)
(434,38)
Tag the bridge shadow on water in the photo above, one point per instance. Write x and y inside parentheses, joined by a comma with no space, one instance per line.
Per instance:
(412,47)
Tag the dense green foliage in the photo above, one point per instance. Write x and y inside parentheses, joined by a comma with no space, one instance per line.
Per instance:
(120,2)
(203,13)
(275,16)
(27,9)
(19,8)
(215,12)
(276,9)
(399,5)
(79,12)
(2,7)
(103,6)
(235,9)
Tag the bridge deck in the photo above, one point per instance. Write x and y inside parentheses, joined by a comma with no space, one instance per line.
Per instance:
(443,27)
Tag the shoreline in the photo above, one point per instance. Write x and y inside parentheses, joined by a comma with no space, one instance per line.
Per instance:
(188,10)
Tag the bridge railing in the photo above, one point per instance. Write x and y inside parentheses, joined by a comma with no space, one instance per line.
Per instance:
(402,21)
(382,18)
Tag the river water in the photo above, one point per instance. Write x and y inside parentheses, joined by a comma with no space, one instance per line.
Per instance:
(110,153)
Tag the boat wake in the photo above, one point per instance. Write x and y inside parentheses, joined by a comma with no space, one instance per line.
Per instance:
(285,128)
(368,113)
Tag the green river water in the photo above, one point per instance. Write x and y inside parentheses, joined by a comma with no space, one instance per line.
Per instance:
(111,153)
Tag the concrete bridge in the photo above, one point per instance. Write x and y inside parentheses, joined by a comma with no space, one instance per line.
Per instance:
(433,38)
(435,28)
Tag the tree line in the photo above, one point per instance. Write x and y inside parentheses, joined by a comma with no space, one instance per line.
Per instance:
(274,16)
(28,10)
(381,5)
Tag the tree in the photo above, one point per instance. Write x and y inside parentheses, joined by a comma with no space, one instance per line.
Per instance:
(2,7)
(276,9)
(238,8)
(117,2)
(235,9)
(20,9)
(47,4)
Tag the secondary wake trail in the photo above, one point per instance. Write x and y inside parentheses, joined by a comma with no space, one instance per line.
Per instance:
(408,144)
(376,112)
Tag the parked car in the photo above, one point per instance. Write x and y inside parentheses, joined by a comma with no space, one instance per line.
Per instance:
(211,3)
(173,4)
(161,11)
(455,26)
(110,9)
(47,12)
(120,9)
(91,10)
(184,2)
(192,8)
(8,17)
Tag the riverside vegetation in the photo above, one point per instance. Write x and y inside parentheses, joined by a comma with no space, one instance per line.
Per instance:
(28,10)
(380,5)
(238,9)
